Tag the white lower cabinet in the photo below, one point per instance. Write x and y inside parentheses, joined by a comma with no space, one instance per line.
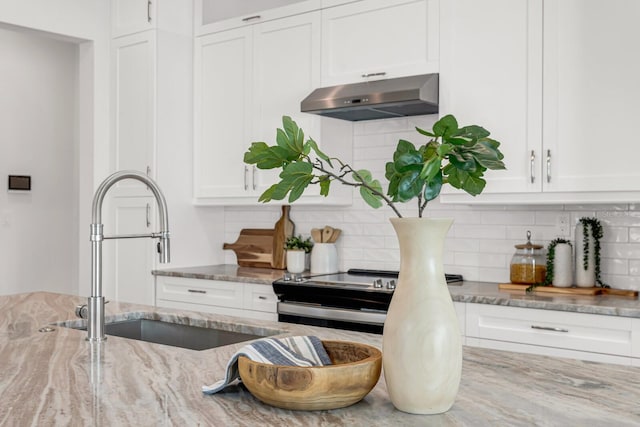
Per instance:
(254,301)
(598,338)
(127,263)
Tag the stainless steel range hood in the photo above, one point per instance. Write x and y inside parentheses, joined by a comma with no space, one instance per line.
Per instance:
(379,99)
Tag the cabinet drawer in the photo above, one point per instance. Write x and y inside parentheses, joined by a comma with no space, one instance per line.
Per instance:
(260,298)
(199,291)
(548,328)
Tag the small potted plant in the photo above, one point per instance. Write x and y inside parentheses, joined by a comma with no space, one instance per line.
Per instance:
(297,250)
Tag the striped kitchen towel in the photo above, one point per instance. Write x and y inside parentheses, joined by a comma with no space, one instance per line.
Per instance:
(290,351)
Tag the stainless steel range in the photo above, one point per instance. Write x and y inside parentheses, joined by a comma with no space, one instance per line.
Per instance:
(356,300)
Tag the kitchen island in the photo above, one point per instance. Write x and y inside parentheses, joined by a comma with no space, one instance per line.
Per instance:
(58,378)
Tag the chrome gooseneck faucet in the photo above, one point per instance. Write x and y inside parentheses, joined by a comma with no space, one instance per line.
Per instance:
(95,312)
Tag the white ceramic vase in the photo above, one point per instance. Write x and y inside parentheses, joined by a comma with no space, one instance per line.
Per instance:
(421,345)
(585,278)
(562,266)
(296,261)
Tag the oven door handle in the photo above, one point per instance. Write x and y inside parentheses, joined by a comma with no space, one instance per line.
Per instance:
(330,313)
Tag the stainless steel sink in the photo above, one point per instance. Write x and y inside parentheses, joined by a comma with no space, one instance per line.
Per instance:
(175,334)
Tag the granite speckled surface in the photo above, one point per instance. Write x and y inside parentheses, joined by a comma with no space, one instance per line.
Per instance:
(58,378)
(471,292)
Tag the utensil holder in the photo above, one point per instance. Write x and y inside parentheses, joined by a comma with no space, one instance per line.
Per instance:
(324,258)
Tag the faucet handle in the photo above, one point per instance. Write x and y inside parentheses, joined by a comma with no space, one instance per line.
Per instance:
(82,311)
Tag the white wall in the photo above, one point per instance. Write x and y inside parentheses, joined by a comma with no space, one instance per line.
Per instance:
(84,23)
(37,115)
(481,241)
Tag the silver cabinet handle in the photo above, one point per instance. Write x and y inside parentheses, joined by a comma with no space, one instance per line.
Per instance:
(382,73)
(262,297)
(253,177)
(149,11)
(251,18)
(246,170)
(148,215)
(533,165)
(548,165)
(196,291)
(549,328)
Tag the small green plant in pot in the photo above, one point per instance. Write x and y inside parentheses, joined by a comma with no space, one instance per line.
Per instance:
(298,243)
(297,250)
(421,327)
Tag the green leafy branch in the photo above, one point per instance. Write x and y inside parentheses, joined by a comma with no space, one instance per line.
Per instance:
(453,155)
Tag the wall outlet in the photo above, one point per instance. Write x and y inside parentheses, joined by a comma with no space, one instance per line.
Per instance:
(563,225)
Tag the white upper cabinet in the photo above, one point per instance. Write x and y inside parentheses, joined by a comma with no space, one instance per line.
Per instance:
(491,75)
(374,39)
(554,81)
(134,113)
(591,92)
(222,81)
(219,15)
(246,79)
(132,16)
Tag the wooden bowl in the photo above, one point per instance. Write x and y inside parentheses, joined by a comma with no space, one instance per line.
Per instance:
(354,372)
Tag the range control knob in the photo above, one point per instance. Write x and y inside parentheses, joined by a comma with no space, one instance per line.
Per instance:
(391,284)
(377,283)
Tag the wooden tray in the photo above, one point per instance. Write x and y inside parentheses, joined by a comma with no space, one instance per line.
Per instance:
(573,291)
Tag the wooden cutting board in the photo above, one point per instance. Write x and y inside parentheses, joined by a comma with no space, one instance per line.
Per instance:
(254,247)
(574,291)
(283,229)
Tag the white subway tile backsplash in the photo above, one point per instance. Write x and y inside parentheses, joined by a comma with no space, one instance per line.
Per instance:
(616,266)
(481,241)
(621,219)
(620,250)
(423,122)
(480,231)
(461,245)
(499,275)
(615,234)
(374,127)
(634,267)
(508,218)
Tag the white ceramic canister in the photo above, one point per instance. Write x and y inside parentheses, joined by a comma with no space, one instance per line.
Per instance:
(324,258)
(585,278)
(562,266)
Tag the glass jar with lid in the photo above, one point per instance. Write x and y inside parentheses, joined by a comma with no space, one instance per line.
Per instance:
(528,264)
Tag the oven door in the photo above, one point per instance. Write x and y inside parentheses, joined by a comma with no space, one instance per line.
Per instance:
(362,320)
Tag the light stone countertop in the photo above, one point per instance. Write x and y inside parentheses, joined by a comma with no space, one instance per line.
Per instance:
(58,378)
(471,292)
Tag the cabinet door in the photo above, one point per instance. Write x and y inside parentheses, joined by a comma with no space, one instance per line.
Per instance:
(591,92)
(134,107)
(133,258)
(491,75)
(131,16)
(379,38)
(286,69)
(222,82)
